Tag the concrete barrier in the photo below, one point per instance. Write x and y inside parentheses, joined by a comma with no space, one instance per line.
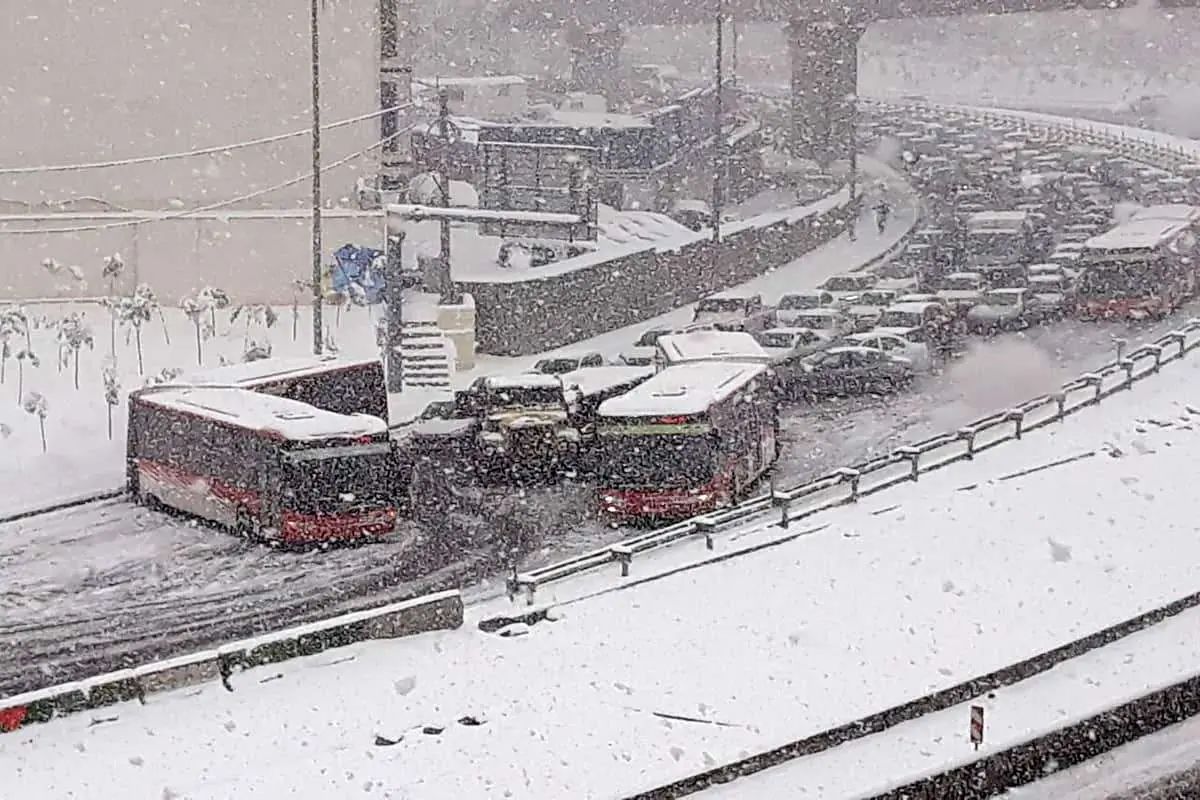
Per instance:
(559,307)
(441,611)
(938,701)
(1062,749)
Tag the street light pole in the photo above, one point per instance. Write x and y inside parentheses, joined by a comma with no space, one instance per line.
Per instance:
(315,31)
(718,131)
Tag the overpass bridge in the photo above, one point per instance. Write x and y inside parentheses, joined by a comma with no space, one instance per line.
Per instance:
(823,40)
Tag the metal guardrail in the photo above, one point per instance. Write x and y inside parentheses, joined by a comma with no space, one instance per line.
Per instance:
(907,464)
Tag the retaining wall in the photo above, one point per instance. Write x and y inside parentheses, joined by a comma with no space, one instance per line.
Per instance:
(522,317)
(441,611)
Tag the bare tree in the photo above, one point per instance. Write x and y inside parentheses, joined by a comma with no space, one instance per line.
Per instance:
(36,404)
(112,393)
(73,335)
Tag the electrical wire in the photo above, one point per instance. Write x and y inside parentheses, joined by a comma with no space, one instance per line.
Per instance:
(211,206)
(205,151)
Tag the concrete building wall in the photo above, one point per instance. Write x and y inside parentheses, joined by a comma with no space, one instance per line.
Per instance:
(113,79)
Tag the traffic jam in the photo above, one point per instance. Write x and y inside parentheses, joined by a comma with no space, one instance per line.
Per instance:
(1015,231)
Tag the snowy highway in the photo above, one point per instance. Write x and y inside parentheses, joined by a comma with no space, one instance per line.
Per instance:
(88,587)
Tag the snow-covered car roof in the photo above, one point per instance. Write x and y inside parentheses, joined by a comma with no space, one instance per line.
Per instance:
(525,380)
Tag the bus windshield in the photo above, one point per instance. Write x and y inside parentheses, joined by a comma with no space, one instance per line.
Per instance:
(1112,281)
(337,484)
(658,461)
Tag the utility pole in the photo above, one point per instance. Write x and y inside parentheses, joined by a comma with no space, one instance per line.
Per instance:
(718,130)
(446,130)
(315,30)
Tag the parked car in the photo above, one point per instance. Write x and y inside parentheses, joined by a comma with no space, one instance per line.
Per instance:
(866,312)
(832,322)
(788,347)
(561,365)
(899,275)
(961,290)
(849,370)
(1002,310)
(1052,293)
(846,288)
(909,343)
(730,311)
(793,302)
(931,317)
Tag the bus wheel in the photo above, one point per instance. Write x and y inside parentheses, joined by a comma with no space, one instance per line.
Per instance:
(245,527)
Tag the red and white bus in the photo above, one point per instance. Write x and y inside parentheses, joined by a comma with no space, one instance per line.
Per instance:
(1145,267)
(693,438)
(343,386)
(266,467)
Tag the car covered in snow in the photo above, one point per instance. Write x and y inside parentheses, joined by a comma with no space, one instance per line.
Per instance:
(909,343)
(788,347)
(851,370)
(846,288)
(793,303)
(733,312)
(1052,293)
(830,321)
(961,290)
(865,313)
(1002,310)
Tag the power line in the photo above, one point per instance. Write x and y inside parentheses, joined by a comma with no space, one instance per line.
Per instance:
(212,206)
(201,152)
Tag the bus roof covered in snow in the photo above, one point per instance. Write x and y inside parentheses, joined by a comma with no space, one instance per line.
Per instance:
(683,389)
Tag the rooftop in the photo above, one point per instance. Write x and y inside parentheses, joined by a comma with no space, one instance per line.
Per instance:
(710,345)
(683,389)
(266,413)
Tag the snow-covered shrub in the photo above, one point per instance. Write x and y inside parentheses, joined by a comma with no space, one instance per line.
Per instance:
(112,393)
(73,335)
(114,265)
(23,355)
(134,312)
(259,314)
(36,404)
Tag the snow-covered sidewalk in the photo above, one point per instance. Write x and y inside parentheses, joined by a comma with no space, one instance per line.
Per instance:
(914,590)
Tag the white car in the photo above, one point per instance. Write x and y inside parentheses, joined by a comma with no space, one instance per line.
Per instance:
(828,321)
(909,343)
(794,303)
(961,290)
(846,288)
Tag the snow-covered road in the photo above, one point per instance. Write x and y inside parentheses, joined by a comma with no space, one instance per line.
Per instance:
(968,571)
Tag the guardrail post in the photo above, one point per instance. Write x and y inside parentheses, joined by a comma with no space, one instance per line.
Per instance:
(706,526)
(1121,344)
(1127,365)
(1060,398)
(624,557)
(512,585)
(783,502)
(530,591)
(968,435)
(1017,417)
(1096,382)
(1157,350)
(914,459)
(1179,338)
(853,477)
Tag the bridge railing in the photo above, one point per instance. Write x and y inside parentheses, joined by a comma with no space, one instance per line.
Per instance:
(906,464)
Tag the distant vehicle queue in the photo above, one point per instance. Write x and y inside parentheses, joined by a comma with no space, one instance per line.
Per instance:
(687,419)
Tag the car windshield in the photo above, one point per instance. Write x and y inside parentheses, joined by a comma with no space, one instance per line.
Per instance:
(556,366)
(961,283)
(722,305)
(799,302)
(1003,299)
(656,461)
(847,283)
(818,322)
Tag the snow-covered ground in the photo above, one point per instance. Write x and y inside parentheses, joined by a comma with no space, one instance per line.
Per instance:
(1073,691)
(912,591)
